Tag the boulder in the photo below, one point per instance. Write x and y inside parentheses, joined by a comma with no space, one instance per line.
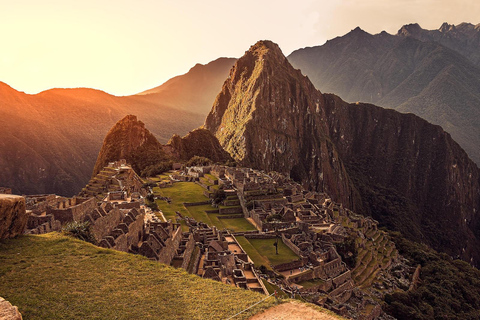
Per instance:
(8,312)
(13,216)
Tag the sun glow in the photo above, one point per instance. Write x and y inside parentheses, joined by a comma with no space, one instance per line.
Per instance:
(124,47)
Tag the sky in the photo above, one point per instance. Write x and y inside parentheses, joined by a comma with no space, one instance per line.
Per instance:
(125,47)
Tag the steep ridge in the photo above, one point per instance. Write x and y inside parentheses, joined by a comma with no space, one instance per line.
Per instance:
(402,170)
(50,140)
(405,72)
(463,38)
(269,116)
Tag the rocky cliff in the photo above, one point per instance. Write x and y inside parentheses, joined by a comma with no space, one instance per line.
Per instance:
(268,115)
(13,217)
(130,140)
(404,171)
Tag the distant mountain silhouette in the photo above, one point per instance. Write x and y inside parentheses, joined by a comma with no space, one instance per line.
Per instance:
(433,74)
(50,141)
(195,90)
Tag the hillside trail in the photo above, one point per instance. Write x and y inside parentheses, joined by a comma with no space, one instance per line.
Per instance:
(292,311)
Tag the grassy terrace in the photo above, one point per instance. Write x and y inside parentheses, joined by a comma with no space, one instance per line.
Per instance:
(262,251)
(191,192)
(55,277)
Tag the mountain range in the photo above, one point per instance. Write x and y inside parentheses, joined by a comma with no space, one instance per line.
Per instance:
(400,169)
(50,140)
(434,74)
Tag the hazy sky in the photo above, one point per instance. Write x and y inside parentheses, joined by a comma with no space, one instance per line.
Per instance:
(124,47)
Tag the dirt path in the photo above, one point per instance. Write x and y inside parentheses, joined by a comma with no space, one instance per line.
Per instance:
(292,311)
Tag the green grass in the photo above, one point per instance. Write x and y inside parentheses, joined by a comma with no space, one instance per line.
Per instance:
(311,283)
(56,277)
(256,257)
(235,224)
(191,192)
(266,247)
(180,192)
(211,176)
(262,251)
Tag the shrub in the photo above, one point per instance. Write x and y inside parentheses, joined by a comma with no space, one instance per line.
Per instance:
(198,161)
(79,230)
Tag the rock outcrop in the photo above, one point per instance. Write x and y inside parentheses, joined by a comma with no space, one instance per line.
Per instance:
(402,170)
(199,142)
(8,312)
(130,140)
(13,217)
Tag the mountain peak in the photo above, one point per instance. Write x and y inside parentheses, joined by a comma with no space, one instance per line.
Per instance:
(265,49)
(129,139)
(445,27)
(129,118)
(409,29)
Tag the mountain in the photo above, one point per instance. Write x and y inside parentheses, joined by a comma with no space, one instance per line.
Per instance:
(50,140)
(409,72)
(195,90)
(405,172)
(264,113)
(129,139)
(463,38)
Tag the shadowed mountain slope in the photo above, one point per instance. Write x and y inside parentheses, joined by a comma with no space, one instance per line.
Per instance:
(50,140)
(409,72)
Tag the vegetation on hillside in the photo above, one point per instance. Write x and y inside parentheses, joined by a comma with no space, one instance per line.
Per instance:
(448,289)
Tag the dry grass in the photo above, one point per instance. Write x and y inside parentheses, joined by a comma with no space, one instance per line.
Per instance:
(55,277)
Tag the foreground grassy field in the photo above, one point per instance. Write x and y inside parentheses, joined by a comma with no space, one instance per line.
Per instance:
(55,277)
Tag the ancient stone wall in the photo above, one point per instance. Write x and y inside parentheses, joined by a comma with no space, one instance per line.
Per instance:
(189,250)
(171,245)
(231,210)
(291,245)
(289,265)
(104,225)
(200,203)
(74,213)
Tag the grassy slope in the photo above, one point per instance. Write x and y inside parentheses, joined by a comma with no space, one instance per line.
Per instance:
(56,277)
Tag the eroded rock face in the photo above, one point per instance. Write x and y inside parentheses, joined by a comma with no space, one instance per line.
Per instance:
(405,172)
(8,312)
(13,217)
(269,116)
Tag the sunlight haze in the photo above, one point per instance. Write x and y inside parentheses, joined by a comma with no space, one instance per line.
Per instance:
(125,47)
